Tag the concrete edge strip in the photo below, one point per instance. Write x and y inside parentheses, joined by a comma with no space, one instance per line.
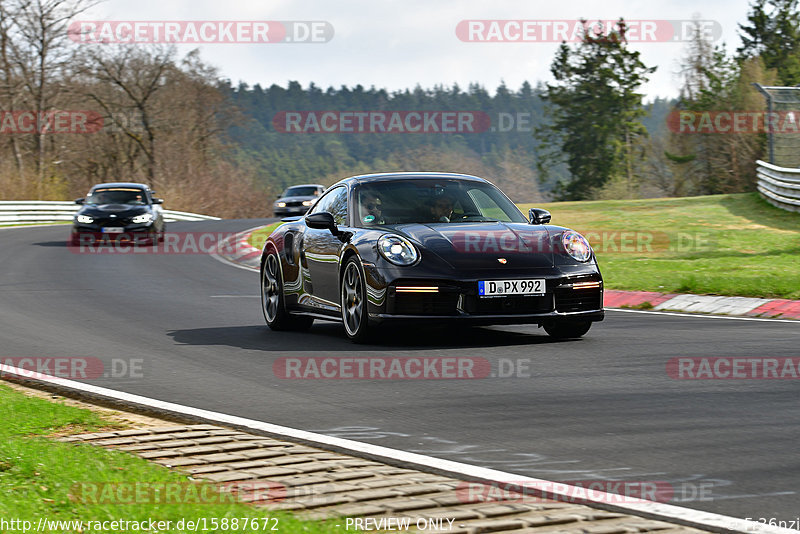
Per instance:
(705,315)
(647,509)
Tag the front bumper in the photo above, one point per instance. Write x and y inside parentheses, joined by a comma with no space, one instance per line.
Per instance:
(86,234)
(575,296)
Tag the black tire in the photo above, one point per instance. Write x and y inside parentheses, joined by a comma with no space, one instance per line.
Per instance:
(354,302)
(272,299)
(567,329)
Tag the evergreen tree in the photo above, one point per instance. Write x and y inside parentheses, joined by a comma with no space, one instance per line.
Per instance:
(773,33)
(596,108)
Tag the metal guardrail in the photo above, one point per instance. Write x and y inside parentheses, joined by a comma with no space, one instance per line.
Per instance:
(38,211)
(780,186)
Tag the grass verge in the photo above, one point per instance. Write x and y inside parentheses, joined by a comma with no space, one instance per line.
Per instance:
(260,236)
(39,477)
(721,244)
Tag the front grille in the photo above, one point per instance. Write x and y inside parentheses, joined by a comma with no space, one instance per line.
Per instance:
(294,204)
(574,300)
(425,303)
(508,305)
(117,221)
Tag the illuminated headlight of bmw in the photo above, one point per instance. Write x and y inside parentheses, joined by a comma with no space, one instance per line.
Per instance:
(280,204)
(397,250)
(85,219)
(576,245)
(307,202)
(143,218)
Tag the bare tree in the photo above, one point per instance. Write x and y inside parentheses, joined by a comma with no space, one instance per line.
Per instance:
(37,53)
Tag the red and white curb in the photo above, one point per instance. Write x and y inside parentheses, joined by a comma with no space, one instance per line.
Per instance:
(236,250)
(603,500)
(733,306)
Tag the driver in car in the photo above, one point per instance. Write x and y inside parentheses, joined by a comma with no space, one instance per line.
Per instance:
(371,208)
(442,209)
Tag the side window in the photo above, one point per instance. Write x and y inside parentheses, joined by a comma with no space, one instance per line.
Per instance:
(335,203)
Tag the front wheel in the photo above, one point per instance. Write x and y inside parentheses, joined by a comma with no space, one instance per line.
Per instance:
(354,302)
(272,299)
(567,329)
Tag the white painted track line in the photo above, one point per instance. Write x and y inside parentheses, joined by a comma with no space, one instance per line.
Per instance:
(648,509)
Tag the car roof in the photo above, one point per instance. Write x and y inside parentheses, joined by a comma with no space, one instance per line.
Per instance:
(387,176)
(305,185)
(121,184)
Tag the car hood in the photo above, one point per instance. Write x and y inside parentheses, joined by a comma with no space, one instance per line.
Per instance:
(484,245)
(120,210)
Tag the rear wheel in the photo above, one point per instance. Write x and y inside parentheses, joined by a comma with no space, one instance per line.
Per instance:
(567,329)
(272,299)
(354,302)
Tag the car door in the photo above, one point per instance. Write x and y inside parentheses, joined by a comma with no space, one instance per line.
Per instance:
(322,250)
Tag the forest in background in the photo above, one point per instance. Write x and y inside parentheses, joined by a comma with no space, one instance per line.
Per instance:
(210,146)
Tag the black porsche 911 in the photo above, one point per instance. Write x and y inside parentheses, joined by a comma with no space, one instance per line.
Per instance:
(119,211)
(427,247)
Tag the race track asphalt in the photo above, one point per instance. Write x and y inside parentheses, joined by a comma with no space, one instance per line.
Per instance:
(600,408)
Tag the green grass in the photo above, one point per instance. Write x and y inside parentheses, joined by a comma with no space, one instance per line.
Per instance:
(721,244)
(258,237)
(38,476)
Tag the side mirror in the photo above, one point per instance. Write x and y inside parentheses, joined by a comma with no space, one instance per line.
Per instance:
(80,200)
(158,201)
(538,216)
(322,220)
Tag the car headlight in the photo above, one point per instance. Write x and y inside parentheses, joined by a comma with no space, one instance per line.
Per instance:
(85,219)
(307,202)
(280,204)
(576,245)
(143,218)
(397,250)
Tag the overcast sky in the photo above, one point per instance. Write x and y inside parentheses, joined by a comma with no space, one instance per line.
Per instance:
(398,44)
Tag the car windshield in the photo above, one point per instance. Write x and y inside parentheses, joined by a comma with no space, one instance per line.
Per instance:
(117,195)
(432,201)
(302,191)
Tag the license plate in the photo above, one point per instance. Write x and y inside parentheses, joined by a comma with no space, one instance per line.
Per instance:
(113,230)
(493,288)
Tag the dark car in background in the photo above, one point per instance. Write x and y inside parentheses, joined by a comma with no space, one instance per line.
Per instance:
(297,199)
(119,211)
(427,247)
